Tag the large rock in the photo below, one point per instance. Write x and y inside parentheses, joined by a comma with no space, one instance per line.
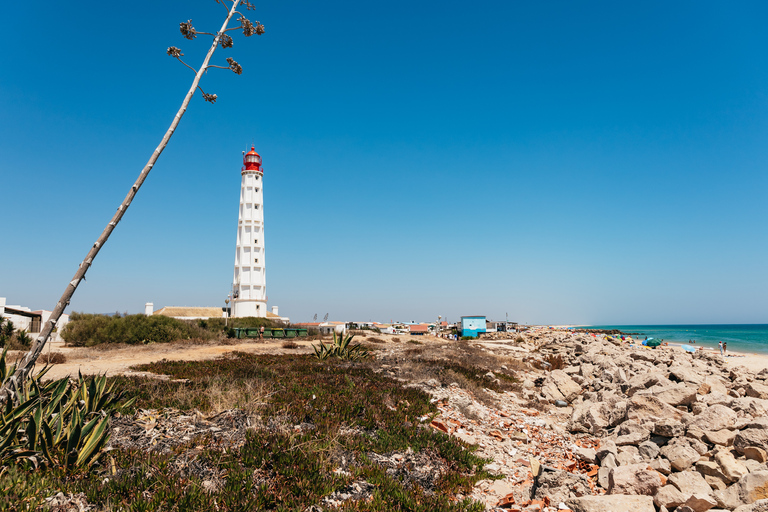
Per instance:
(674,395)
(611,503)
(757,390)
(648,450)
(729,466)
(715,384)
(684,374)
(631,433)
(761,422)
(757,437)
(561,485)
(722,437)
(634,479)
(710,468)
(698,503)
(758,506)
(594,418)
(646,380)
(680,454)
(669,428)
(716,417)
(669,496)
(690,483)
(753,487)
(566,386)
(649,409)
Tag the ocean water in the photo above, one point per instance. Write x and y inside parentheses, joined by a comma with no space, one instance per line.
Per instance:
(747,338)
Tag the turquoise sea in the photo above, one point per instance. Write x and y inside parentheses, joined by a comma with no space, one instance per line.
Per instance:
(747,338)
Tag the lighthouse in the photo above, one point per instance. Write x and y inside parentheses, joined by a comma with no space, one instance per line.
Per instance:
(249,287)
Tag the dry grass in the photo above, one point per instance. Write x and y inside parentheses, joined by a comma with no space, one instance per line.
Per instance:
(248,396)
(374,339)
(53,358)
(290,344)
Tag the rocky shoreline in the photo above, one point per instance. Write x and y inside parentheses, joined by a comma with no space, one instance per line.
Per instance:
(677,431)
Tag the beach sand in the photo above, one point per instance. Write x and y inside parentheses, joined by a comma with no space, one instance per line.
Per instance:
(751,361)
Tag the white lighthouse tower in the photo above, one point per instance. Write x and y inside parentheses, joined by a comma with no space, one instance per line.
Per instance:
(249,288)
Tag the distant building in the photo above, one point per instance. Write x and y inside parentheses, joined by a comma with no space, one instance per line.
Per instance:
(472,326)
(419,329)
(24,319)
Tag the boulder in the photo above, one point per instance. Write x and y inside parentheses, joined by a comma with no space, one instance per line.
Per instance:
(595,417)
(669,496)
(756,437)
(568,389)
(755,453)
(561,485)
(606,446)
(680,454)
(759,423)
(611,503)
(669,428)
(634,479)
(751,488)
(633,438)
(710,468)
(729,466)
(585,454)
(648,450)
(715,384)
(661,465)
(722,437)
(757,390)
(684,374)
(646,380)
(758,506)
(674,395)
(717,484)
(690,483)
(698,503)
(716,417)
(628,455)
(649,409)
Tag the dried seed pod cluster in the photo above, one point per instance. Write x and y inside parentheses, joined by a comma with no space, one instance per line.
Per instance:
(225,41)
(234,66)
(211,98)
(187,30)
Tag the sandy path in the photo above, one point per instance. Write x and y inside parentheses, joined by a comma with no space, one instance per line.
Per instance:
(119,360)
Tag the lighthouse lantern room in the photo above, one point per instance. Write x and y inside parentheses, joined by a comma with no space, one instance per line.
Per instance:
(249,292)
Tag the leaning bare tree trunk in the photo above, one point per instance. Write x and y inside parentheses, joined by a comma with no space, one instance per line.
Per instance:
(27,364)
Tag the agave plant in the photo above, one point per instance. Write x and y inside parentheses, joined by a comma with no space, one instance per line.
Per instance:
(341,348)
(63,423)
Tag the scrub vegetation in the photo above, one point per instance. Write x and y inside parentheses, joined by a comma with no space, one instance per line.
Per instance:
(87,330)
(317,427)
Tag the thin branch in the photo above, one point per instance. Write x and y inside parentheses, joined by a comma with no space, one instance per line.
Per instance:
(190,67)
(220,67)
(206,33)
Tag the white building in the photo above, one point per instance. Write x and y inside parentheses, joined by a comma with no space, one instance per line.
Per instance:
(24,319)
(249,288)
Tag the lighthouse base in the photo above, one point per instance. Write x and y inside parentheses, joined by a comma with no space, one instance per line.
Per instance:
(247,307)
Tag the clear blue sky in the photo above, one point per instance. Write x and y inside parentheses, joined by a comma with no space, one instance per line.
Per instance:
(563,162)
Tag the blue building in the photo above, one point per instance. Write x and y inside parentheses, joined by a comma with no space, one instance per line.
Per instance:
(472,325)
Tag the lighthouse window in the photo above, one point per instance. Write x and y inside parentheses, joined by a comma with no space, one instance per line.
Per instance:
(256,260)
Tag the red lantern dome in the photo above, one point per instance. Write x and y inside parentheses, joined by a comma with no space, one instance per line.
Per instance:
(252,160)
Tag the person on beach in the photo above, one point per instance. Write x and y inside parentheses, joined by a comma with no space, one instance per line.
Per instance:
(725,348)
(720,343)
(261,333)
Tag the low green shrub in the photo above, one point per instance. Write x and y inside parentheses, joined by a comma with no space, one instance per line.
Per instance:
(85,329)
